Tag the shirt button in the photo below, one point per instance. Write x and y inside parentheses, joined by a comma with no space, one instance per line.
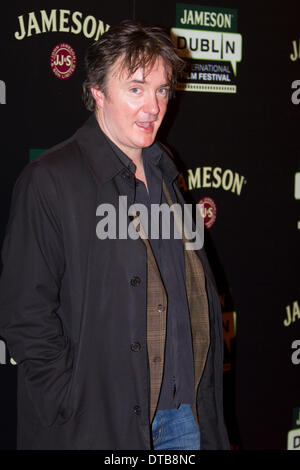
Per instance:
(135,281)
(160,308)
(135,347)
(157,359)
(137,410)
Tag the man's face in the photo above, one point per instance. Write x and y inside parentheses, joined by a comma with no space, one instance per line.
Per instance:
(132,108)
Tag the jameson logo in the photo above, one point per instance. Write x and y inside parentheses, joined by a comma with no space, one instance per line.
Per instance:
(215,177)
(206,17)
(207,38)
(62,21)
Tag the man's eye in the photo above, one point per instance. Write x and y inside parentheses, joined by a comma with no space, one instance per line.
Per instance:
(135,90)
(163,91)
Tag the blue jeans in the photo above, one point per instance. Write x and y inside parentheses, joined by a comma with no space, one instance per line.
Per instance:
(175,429)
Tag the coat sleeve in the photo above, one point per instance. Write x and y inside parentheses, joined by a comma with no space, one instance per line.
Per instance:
(33,266)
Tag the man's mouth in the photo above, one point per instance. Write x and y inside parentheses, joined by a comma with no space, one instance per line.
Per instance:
(147,125)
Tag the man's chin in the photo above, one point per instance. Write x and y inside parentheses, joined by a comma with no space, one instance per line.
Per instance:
(147,141)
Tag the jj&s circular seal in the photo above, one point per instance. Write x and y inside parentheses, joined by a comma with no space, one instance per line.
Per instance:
(63,61)
(208,211)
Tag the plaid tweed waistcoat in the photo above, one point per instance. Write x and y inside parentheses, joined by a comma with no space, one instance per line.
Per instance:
(157,316)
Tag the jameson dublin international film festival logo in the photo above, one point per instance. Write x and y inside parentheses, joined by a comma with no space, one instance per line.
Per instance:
(207,38)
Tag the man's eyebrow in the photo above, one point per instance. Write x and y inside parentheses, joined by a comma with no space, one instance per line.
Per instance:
(136,81)
(163,85)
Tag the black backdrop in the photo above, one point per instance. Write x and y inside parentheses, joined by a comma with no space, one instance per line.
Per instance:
(250,136)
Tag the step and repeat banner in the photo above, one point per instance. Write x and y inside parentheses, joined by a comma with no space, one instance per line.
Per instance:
(233,128)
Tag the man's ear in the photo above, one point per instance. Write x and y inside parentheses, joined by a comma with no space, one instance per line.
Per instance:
(98,96)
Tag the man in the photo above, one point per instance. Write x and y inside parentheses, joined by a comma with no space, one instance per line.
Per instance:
(118,339)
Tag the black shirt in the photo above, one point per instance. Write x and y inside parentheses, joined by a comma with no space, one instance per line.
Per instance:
(178,378)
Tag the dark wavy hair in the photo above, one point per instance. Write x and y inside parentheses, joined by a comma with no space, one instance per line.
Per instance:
(138,46)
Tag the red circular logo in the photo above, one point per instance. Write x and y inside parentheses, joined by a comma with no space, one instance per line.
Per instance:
(63,61)
(208,211)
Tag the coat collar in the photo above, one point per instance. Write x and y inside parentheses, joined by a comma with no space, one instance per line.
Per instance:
(104,162)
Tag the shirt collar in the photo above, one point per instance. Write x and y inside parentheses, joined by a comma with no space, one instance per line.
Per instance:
(99,150)
(157,154)
(151,155)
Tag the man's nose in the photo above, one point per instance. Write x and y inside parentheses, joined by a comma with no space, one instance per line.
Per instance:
(151,105)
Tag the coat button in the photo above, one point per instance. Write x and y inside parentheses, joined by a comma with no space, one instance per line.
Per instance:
(137,409)
(160,308)
(135,347)
(126,174)
(135,281)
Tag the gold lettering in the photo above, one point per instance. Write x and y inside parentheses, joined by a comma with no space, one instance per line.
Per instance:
(75,16)
(198,17)
(20,34)
(190,18)
(237,184)
(294,56)
(63,19)
(206,177)
(287,321)
(33,25)
(101,29)
(227,179)
(213,19)
(194,179)
(48,23)
(216,174)
(292,314)
(296,311)
(206,18)
(183,19)
(91,27)
(89,34)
